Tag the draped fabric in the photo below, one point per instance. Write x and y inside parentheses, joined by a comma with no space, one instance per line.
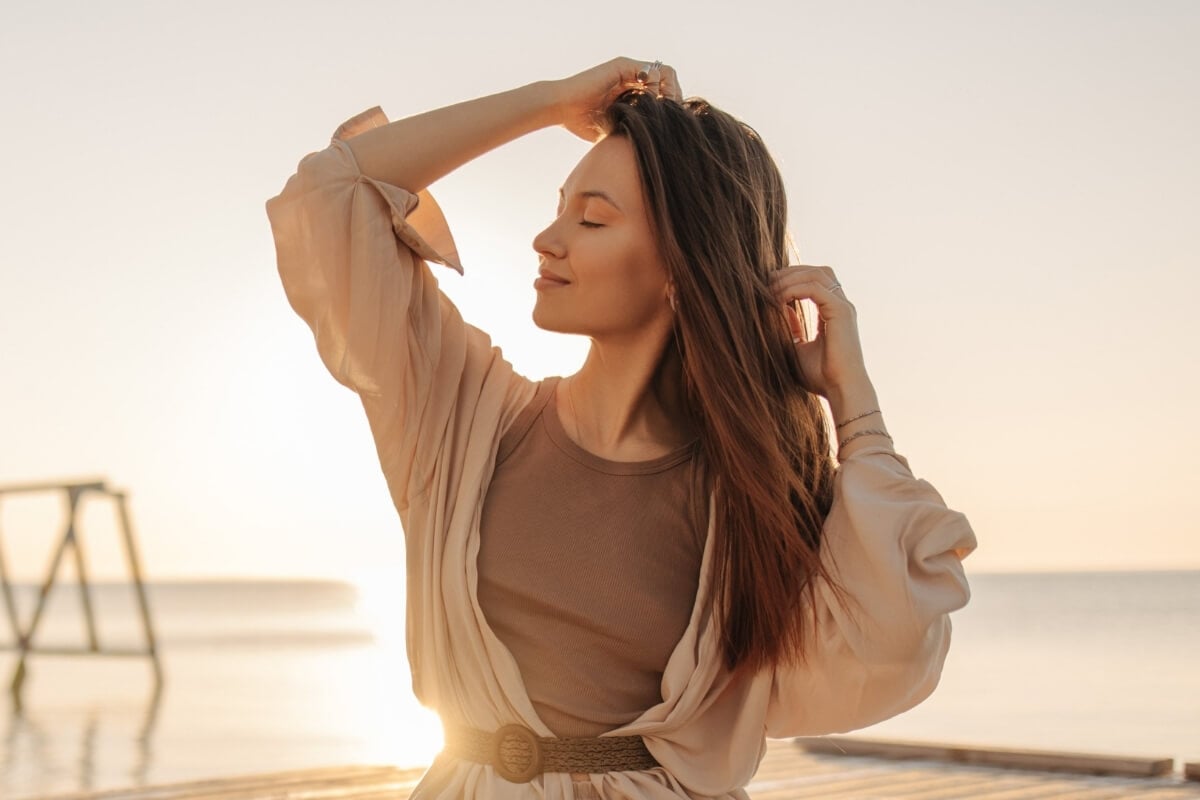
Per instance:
(354,258)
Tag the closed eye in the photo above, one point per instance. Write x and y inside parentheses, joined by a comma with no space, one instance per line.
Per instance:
(587,224)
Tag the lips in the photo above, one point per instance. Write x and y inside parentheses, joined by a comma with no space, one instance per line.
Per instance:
(548,281)
(550,276)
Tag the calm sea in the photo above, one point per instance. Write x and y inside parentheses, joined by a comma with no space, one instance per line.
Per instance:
(271,676)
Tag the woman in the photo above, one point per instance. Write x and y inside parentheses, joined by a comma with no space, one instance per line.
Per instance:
(621,582)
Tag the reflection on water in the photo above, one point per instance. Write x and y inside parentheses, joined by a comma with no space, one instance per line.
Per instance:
(29,747)
(91,724)
(256,679)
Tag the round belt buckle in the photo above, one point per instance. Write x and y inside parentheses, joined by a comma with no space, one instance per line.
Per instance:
(517,754)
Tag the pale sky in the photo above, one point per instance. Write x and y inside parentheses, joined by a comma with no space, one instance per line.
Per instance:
(1009,192)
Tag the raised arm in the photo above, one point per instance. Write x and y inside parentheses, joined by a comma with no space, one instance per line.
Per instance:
(355,231)
(414,152)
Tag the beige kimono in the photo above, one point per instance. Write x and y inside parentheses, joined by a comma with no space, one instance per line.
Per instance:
(352,255)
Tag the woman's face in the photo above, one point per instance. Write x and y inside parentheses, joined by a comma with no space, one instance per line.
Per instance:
(601,272)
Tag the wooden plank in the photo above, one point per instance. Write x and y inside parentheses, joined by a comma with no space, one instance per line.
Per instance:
(977,784)
(261,784)
(1047,788)
(899,785)
(978,781)
(788,771)
(858,774)
(857,783)
(981,786)
(1055,760)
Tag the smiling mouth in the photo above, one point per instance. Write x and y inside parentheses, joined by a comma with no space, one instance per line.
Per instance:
(544,282)
(547,278)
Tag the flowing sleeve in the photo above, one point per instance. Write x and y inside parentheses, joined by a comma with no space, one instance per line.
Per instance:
(898,550)
(353,257)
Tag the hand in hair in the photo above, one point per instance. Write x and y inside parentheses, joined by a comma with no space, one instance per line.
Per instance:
(583,98)
(833,361)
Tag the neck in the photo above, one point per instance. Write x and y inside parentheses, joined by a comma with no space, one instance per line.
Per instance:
(626,401)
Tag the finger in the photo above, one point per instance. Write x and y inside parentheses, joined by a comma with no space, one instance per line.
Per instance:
(809,289)
(668,84)
(795,323)
(804,269)
(632,73)
(821,275)
(796,279)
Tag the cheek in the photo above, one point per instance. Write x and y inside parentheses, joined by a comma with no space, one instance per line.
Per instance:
(632,270)
(619,286)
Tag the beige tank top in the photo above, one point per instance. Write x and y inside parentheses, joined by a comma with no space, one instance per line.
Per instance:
(588,568)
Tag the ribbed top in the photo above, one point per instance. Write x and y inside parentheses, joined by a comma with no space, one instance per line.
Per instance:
(588,569)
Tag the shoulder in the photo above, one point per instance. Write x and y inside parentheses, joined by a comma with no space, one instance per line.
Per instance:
(512,436)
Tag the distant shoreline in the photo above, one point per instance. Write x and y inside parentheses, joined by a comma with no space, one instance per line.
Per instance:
(236,581)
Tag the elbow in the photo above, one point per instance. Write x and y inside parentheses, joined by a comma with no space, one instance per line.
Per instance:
(905,679)
(902,684)
(928,661)
(850,693)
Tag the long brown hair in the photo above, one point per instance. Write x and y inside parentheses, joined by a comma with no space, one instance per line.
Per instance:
(718,209)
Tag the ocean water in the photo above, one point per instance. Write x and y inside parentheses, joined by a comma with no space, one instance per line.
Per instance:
(269,676)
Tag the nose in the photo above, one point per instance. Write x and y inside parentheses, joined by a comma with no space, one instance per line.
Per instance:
(548,244)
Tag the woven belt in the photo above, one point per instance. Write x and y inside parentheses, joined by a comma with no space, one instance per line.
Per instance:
(519,755)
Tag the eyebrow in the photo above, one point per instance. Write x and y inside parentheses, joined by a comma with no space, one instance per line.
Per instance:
(605,196)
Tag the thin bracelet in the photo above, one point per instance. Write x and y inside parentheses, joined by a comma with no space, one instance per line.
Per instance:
(860,416)
(854,436)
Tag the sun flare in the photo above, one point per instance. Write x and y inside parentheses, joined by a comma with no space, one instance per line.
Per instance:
(413,735)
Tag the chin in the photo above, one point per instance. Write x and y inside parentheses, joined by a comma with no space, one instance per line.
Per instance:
(555,323)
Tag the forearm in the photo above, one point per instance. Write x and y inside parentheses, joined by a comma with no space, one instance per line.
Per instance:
(857,397)
(414,152)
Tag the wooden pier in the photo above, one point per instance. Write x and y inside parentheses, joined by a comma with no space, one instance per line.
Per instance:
(830,768)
